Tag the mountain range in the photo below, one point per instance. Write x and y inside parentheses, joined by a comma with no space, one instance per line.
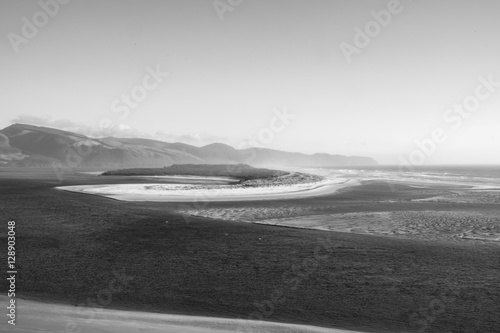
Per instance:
(28,145)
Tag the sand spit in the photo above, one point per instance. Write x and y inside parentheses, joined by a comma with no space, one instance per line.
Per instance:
(296,185)
(91,173)
(56,318)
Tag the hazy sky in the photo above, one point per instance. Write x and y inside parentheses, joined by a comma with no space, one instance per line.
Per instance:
(233,64)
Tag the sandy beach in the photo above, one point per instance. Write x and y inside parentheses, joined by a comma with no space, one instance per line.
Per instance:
(208,193)
(58,318)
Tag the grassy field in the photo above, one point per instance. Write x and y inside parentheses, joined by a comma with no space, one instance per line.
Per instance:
(240,171)
(84,249)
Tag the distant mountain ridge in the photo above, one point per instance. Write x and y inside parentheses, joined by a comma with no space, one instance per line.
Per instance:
(28,145)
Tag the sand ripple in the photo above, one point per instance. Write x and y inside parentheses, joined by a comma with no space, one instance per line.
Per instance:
(425,225)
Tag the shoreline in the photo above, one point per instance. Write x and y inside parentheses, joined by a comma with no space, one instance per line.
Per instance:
(58,317)
(474,226)
(287,187)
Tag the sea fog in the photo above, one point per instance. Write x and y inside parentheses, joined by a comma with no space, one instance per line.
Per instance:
(486,177)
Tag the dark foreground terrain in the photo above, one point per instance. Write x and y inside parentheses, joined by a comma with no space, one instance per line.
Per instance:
(84,249)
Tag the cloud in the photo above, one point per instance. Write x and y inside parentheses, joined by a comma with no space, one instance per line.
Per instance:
(195,139)
(117,130)
(61,124)
(8,153)
(4,141)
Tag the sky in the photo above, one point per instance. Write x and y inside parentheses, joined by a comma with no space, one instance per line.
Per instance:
(399,81)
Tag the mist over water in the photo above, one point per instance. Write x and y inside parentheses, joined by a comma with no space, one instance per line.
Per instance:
(453,174)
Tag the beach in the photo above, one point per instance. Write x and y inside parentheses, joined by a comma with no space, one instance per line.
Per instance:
(59,318)
(294,186)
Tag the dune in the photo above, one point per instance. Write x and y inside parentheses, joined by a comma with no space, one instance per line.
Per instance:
(35,316)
